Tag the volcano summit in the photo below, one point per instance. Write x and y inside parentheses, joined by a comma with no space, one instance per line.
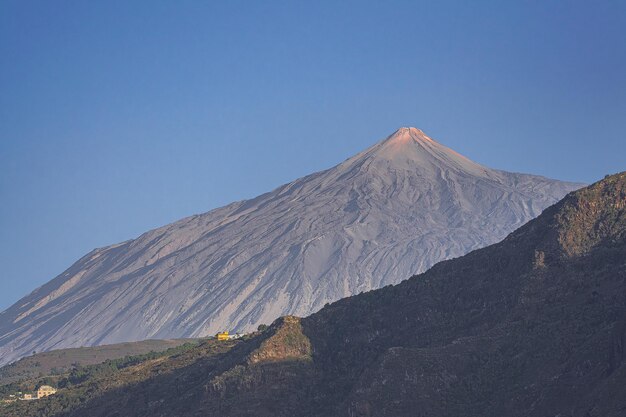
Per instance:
(377,218)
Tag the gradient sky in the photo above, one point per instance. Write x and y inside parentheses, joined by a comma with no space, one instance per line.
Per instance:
(116,118)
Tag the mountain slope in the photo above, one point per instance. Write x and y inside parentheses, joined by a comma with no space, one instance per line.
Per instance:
(387,213)
(532,326)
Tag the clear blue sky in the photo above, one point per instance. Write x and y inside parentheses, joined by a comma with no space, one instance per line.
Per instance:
(117,116)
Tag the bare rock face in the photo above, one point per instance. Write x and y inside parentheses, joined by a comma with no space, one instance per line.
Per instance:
(389,212)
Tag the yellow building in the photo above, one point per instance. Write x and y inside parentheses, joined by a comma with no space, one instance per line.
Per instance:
(223,336)
(45,390)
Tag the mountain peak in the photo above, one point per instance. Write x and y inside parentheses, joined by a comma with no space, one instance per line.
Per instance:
(394,209)
(408,140)
(407,134)
(410,148)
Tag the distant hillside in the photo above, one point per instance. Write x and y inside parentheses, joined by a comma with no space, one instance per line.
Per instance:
(533,326)
(86,382)
(57,362)
(377,218)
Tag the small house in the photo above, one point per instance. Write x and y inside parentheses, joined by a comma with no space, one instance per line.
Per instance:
(45,390)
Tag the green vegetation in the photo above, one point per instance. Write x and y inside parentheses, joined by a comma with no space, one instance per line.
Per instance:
(60,362)
(84,373)
(83,378)
(113,379)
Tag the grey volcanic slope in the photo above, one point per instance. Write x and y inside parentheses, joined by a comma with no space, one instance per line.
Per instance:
(379,217)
